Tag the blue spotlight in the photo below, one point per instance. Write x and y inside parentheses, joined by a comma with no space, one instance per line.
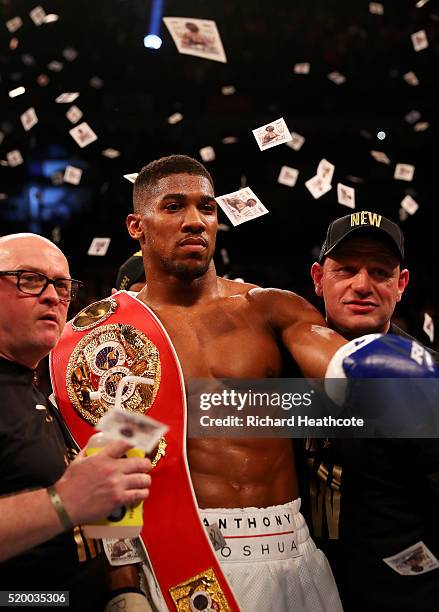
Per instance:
(152,41)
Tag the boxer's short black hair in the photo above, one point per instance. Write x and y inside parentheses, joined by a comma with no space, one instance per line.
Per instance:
(160,168)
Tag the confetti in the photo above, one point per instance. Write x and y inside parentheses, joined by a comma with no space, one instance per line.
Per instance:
(428,327)
(96,82)
(413,116)
(14,158)
(229,140)
(317,186)
(421,126)
(70,54)
(51,18)
(67,97)
(380,157)
(296,141)
(288,176)
(111,153)
(29,118)
(302,68)
(74,114)
(131,177)
(225,257)
(411,78)
(57,178)
(72,175)
(241,206)
(272,134)
(404,172)
(18,91)
(346,195)
(336,78)
(55,66)
(83,135)
(14,24)
(207,154)
(38,14)
(403,215)
(376,8)
(409,205)
(199,37)
(419,40)
(42,80)
(175,118)
(99,246)
(325,170)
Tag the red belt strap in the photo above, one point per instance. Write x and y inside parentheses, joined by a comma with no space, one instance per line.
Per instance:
(180,552)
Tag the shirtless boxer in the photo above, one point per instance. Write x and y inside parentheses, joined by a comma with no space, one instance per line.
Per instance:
(225,329)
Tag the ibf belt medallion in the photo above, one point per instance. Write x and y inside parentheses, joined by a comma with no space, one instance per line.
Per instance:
(95,313)
(100,360)
(200,593)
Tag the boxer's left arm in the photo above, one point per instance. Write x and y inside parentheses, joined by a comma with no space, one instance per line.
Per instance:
(317,349)
(301,328)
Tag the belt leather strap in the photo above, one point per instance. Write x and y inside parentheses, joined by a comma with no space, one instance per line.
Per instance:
(180,552)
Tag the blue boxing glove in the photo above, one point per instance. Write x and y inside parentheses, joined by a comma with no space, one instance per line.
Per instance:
(382,356)
(395,407)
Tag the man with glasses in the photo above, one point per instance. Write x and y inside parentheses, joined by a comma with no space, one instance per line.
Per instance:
(35,283)
(41,501)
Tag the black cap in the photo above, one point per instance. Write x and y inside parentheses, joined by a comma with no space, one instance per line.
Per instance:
(363,221)
(130,272)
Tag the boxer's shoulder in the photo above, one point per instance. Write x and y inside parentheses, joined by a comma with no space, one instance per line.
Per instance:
(283,308)
(231,288)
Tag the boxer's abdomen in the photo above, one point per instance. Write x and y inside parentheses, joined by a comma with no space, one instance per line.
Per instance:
(242,473)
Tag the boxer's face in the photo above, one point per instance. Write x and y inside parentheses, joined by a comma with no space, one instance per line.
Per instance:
(360,282)
(177,226)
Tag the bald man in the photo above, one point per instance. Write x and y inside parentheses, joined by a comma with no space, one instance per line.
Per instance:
(41,501)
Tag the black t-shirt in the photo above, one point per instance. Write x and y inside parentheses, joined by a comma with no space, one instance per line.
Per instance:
(389,502)
(34,454)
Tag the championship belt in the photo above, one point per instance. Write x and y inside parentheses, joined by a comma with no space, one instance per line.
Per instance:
(105,342)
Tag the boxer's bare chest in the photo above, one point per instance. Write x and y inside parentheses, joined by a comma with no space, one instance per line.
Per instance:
(225,338)
(230,338)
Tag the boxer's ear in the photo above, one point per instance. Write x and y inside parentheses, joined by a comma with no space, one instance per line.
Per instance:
(317,273)
(134,225)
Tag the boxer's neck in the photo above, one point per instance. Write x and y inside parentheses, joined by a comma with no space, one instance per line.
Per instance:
(167,289)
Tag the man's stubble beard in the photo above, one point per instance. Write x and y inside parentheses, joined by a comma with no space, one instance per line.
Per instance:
(181,270)
(186,270)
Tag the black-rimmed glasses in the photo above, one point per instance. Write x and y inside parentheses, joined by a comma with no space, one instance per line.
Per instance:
(35,283)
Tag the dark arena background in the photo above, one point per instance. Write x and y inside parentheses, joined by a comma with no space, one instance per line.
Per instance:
(387,102)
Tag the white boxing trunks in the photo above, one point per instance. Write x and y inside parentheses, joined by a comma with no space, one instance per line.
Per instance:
(270,560)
